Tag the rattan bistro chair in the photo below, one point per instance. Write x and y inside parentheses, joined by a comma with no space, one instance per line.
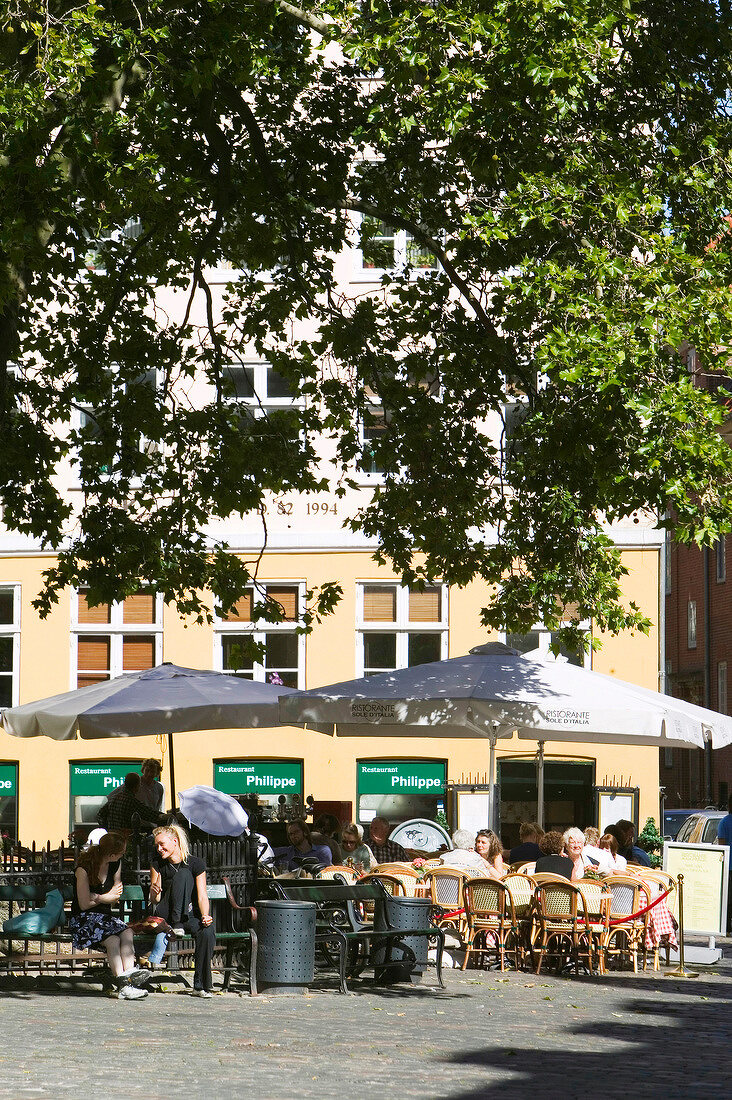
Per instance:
(627,940)
(403,871)
(492,928)
(338,871)
(563,931)
(446,886)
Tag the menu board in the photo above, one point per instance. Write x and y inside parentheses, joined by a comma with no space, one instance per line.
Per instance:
(705,868)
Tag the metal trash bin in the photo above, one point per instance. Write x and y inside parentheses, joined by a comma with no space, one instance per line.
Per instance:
(408,957)
(286,950)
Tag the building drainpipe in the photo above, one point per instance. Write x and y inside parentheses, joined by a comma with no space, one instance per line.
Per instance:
(707,675)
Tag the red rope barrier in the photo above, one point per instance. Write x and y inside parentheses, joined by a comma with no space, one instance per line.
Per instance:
(632,916)
(618,920)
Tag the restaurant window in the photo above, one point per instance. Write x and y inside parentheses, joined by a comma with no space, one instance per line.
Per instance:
(271,789)
(125,636)
(283,655)
(9,802)
(691,624)
(9,643)
(90,784)
(398,627)
(400,790)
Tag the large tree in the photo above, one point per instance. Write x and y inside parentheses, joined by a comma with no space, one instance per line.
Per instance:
(559,176)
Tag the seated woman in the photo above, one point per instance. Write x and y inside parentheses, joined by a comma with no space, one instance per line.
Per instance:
(97,886)
(552,861)
(609,845)
(574,848)
(489,847)
(356,854)
(301,851)
(178,890)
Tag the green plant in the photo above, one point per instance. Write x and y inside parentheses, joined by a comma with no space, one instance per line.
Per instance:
(651,841)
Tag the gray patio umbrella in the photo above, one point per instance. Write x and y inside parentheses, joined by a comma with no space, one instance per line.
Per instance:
(492,692)
(166,699)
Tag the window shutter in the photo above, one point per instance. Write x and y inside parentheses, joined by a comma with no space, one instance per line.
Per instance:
(379,604)
(242,613)
(139,608)
(138,654)
(287,597)
(87,614)
(425,607)
(93,654)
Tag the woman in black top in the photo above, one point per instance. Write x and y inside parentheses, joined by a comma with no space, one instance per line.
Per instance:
(552,860)
(97,886)
(178,887)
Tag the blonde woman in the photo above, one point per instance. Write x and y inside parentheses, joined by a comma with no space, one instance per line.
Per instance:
(178,891)
(356,854)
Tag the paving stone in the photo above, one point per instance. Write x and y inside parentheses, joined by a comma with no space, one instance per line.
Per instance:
(487,1035)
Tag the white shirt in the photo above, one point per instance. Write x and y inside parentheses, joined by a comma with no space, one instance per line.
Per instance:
(464,857)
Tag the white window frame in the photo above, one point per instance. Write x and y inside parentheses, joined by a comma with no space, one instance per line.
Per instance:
(720,553)
(259,404)
(722,687)
(400,251)
(545,639)
(258,631)
(691,624)
(145,445)
(12,630)
(116,630)
(401,626)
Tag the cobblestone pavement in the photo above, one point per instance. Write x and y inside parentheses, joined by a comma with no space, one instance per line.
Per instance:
(486,1035)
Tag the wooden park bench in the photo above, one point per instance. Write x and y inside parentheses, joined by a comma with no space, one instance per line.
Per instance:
(52,952)
(341,928)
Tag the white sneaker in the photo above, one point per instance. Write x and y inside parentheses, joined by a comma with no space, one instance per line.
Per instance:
(201,993)
(130,993)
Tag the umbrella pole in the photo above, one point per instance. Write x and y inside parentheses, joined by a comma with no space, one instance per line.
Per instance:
(171,760)
(492,784)
(540,784)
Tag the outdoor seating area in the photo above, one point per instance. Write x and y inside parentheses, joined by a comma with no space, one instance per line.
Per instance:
(535,921)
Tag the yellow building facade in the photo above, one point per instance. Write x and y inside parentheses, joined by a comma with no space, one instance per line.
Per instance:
(50,788)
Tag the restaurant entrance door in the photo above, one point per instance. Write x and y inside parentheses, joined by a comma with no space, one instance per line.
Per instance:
(568,795)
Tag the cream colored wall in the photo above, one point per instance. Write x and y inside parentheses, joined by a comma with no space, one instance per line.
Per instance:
(330,763)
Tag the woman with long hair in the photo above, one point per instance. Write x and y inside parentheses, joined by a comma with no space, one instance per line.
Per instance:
(97,886)
(178,890)
(489,847)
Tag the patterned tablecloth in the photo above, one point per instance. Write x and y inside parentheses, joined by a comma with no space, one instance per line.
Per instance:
(660,924)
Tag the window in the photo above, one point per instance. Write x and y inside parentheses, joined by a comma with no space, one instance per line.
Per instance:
(268,402)
(721,555)
(110,639)
(691,624)
(99,428)
(668,757)
(385,248)
(398,627)
(722,687)
(373,428)
(9,643)
(539,641)
(284,649)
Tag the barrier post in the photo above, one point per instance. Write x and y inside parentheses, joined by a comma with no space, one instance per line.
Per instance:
(680,972)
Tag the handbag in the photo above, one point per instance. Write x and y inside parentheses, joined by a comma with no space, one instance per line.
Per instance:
(150,926)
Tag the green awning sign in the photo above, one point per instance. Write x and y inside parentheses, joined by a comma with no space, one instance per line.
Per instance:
(401,777)
(8,780)
(97,780)
(265,777)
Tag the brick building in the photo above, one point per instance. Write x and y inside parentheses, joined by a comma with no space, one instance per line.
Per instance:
(698,632)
